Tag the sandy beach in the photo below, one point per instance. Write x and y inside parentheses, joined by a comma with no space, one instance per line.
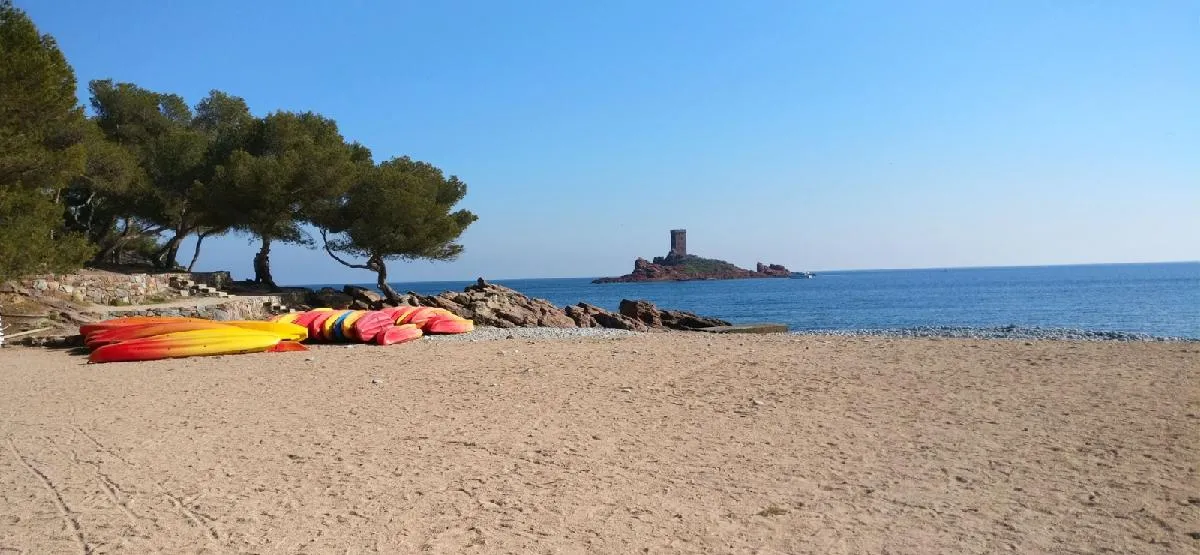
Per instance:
(665,443)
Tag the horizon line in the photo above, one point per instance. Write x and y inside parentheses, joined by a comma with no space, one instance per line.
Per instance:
(818,272)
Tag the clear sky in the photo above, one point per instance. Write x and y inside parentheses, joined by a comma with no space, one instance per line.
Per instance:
(820,135)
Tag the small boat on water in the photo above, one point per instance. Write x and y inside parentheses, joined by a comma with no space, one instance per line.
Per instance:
(802,275)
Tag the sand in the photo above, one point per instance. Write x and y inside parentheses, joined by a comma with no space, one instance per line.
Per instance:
(670,443)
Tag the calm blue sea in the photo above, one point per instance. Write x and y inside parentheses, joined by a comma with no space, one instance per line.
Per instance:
(1158,299)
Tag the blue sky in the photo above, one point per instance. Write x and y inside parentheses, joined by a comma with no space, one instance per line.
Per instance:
(820,135)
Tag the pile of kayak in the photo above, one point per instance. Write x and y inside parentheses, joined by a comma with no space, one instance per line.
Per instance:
(383,327)
(152,338)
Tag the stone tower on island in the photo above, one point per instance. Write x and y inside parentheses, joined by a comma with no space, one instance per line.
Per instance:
(678,243)
(678,265)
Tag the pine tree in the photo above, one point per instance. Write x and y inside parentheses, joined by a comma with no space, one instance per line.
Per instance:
(41,134)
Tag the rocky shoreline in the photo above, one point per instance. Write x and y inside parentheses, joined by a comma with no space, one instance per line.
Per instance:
(495,306)
(492,305)
(1006,333)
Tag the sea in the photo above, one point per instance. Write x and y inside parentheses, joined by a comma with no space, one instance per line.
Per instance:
(1161,299)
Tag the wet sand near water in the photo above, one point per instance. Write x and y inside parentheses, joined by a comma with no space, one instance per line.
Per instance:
(663,443)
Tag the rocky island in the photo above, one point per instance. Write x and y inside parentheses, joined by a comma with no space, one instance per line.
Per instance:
(678,265)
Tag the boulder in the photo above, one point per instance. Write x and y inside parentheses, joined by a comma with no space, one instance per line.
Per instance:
(488,304)
(773,270)
(328,297)
(496,305)
(365,298)
(683,320)
(592,316)
(642,311)
(650,315)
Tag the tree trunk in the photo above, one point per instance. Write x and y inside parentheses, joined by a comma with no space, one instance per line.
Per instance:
(377,264)
(112,243)
(110,246)
(167,258)
(262,265)
(108,252)
(196,253)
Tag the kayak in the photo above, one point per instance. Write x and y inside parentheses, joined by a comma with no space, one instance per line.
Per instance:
(201,342)
(398,334)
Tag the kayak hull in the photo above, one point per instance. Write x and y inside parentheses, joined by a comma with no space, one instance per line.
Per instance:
(207,342)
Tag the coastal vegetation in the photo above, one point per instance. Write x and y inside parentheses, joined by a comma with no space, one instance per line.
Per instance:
(146,170)
(690,264)
(401,208)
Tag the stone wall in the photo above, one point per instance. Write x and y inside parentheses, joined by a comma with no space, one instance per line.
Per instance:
(104,288)
(236,308)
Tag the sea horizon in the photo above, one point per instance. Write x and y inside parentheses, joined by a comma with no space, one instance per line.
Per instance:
(1159,299)
(371,283)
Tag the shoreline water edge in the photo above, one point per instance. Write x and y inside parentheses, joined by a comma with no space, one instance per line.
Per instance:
(1133,302)
(1013,333)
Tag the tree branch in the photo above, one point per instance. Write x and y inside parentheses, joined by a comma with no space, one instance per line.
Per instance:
(325,243)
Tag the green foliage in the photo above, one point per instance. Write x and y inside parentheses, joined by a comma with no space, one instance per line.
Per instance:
(148,164)
(291,162)
(41,130)
(228,126)
(40,119)
(400,209)
(699,266)
(696,264)
(156,128)
(294,165)
(108,189)
(31,237)
(178,153)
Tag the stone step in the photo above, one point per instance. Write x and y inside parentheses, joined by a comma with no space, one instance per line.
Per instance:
(207,291)
(748,328)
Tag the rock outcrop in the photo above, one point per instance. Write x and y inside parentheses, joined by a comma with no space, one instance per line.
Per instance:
(328,297)
(591,316)
(647,313)
(488,304)
(773,270)
(363,298)
(691,267)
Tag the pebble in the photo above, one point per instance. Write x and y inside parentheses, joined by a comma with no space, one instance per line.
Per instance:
(1002,332)
(376,381)
(493,334)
